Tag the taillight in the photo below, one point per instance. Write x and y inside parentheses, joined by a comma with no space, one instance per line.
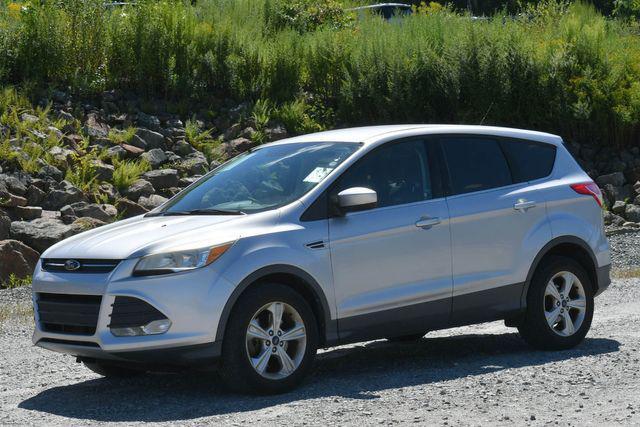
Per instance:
(590,189)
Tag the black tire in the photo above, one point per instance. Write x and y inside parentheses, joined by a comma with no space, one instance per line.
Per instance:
(534,327)
(407,338)
(112,371)
(236,369)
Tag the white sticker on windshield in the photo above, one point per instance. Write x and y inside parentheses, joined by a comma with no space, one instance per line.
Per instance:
(317,174)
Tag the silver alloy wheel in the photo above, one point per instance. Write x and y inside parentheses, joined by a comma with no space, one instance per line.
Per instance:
(276,340)
(565,303)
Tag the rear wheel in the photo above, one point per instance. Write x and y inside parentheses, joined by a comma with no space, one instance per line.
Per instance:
(270,342)
(111,371)
(559,306)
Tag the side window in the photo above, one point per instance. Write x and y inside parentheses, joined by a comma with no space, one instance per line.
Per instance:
(475,164)
(529,160)
(398,172)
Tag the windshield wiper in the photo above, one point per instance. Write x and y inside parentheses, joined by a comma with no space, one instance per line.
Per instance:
(199,212)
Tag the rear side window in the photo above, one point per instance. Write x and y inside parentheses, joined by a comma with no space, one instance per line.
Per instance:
(475,164)
(529,160)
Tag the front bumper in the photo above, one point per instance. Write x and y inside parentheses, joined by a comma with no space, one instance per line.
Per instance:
(193,301)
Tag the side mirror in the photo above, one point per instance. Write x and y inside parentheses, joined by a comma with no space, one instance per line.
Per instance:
(357,199)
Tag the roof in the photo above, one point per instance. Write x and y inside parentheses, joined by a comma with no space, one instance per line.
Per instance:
(372,134)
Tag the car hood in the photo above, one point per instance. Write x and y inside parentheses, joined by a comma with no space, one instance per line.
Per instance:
(142,235)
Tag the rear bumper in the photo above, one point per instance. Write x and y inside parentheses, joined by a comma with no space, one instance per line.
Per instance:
(603,277)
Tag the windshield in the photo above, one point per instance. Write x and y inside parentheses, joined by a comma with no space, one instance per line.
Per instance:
(259,180)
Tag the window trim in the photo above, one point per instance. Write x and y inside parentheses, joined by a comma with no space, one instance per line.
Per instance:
(446,174)
(321,207)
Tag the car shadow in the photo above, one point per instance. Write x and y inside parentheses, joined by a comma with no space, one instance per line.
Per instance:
(351,372)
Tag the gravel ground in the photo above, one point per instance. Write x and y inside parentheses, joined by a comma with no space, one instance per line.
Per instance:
(475,375)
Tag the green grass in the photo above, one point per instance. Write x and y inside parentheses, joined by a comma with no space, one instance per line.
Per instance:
(16,282)
(564,69)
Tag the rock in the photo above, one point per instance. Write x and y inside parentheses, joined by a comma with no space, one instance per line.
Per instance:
(116,152)
(155,157)
(162,178)
(140,188)
(9,200)
(128,208)
(41,233)
(632,213)
(151,138)
(14,185)
(64,194)
(27,213)
(30,118)
(613,193)
(63,156)
(616,179)
(138,142)
(186,181)
(240,145)
(183,148)
(175,123)
(95,128)
(104,213)
(247,132)
(618,207)
(67,214)
(103,171)
(87,223)
(35,196)
(277,133)
(132,151)
(50,172)
(5,226)
(193,164)
(148,121)
(172,157)
(232,132)
(152,202)
(214,164)
(109,191)
(16,258)
(630,224)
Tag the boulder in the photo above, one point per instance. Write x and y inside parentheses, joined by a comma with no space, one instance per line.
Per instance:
(183,148)
(618,207)
(35,196)
(138,142)
(148,121)
(140,188)
(131,151)
(41,233)
(162,178)
(50,172)
(87,223)
(27,213)
(95,128)
(613,193)
(232,131)
(193,164)
(16,258)
(108,190)
(8,200)
(152,202)
(103,171)
(5,226)
(632,213)
(128,208)
(240,145)
(276,133)
(13,184)
(616,179)
(103,212)
(116,152)
(64,194)
(151,138)
(612,219)
(155,157)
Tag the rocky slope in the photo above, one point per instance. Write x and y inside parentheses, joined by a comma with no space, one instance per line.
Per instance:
(70,165)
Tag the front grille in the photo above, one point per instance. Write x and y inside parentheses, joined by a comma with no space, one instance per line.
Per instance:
(130,312)
(85,265)
(68,314)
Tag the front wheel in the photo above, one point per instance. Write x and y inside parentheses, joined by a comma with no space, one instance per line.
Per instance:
(270,342)
(559,306)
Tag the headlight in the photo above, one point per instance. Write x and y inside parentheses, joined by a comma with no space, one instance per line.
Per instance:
(174,262)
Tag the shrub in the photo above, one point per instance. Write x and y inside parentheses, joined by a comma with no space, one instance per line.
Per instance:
(306,15)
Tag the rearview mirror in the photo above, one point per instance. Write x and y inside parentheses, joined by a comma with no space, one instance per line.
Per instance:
(357,199)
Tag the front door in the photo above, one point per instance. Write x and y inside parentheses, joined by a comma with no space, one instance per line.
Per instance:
(392,264)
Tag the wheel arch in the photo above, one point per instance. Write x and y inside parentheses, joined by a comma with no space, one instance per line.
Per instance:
(570,247)
(297,279)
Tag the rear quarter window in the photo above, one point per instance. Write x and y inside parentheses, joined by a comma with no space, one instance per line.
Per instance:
(529,160)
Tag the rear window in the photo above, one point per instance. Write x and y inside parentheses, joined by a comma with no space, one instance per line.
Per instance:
(475,164)
(529,160)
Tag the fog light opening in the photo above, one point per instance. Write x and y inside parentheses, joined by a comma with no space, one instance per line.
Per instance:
(155,327)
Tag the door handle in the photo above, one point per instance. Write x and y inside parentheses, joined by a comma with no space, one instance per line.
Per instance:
(427,222)
(522,205)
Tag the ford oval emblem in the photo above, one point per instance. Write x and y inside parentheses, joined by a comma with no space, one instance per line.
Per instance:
(71,265)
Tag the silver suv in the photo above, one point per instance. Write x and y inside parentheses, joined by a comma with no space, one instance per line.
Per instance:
(333,238)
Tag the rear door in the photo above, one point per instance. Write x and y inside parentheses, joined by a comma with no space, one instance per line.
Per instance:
(392,264)
(498,223)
